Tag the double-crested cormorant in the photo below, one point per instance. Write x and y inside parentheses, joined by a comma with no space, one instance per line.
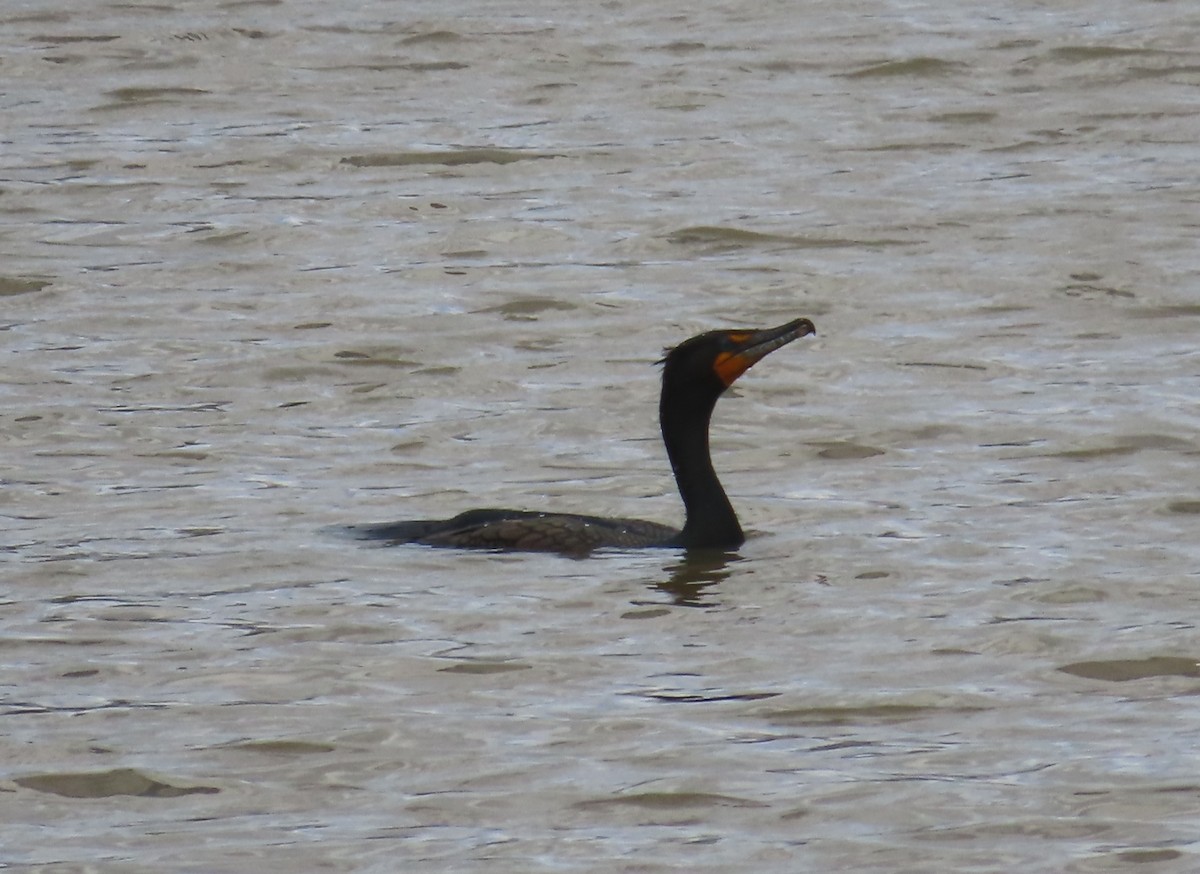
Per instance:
(695,373)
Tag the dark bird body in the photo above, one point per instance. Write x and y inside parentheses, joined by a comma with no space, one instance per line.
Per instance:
(695,374)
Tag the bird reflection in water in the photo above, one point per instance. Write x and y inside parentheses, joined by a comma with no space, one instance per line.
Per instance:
(694,577)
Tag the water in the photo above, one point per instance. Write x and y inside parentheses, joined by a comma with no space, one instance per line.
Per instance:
(269,269)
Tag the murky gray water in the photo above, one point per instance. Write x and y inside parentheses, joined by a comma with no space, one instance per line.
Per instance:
(272,267)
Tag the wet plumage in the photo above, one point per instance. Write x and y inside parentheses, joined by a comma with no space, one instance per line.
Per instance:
(695,374)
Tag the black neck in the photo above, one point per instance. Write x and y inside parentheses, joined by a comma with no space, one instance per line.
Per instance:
(710,520)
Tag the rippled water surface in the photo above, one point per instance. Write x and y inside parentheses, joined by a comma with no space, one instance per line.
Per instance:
(273,267)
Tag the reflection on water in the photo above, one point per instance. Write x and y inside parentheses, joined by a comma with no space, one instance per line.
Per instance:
(695,574)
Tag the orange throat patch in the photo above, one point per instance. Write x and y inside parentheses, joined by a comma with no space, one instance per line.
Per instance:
(730,365)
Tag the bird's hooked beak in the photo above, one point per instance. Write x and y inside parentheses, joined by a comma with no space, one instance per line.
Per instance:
(747,348)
